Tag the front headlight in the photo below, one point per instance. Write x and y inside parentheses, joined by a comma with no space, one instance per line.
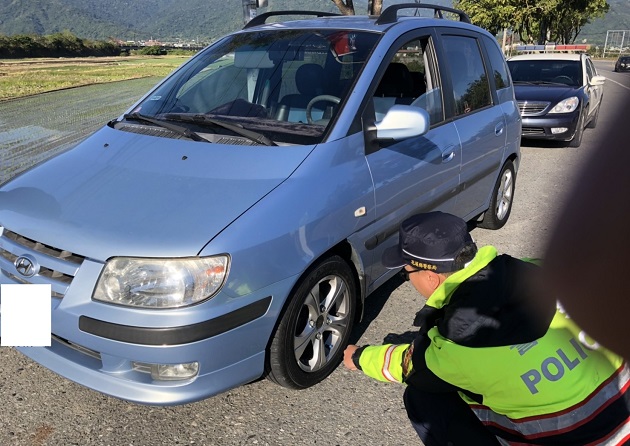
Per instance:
(566,106)
(160,283)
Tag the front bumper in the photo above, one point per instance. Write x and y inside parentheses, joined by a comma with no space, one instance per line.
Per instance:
(539,127)
(228,343)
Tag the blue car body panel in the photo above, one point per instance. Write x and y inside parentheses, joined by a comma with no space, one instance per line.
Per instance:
(115,197)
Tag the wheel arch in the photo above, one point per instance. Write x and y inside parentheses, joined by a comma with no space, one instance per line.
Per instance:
(344,250)
(347,252)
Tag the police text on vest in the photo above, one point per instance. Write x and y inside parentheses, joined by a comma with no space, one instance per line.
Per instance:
(554,367)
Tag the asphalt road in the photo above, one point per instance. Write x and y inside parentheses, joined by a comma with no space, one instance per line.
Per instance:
(39,408)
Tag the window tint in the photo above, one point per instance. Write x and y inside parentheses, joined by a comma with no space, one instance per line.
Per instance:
(410,79)
(471,90)
(499,67)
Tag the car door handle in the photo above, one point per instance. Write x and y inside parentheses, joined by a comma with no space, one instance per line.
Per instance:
(448,154)
(498,130)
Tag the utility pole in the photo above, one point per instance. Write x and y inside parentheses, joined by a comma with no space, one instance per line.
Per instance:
(503,47)
(249,8)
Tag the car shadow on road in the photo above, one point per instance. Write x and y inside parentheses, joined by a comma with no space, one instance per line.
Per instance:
(373,306)
(544,144)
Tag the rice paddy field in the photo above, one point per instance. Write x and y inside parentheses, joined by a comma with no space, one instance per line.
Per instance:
(47,106)
(25,77)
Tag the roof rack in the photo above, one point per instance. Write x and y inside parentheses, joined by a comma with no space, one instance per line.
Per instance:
(390,15)
(262,18)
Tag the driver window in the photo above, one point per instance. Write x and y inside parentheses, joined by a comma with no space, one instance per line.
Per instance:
(590,71)
(410,80)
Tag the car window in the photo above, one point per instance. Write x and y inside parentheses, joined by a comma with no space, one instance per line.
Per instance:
(590,70)
(541,71)
(288,85)
(497,61)
(471,90)
(411,79)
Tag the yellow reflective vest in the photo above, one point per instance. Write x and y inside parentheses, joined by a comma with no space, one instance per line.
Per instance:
(543,392)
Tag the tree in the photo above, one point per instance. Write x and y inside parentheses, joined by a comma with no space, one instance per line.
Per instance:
(568,22)
(556,20)
(346,7)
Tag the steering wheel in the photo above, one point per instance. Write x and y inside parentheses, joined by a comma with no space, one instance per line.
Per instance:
(563,79)
(316,99)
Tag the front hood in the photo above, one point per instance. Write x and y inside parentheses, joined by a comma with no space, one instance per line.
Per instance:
(124,194)
(547,93)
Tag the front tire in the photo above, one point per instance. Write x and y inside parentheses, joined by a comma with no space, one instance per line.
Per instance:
(579,131)
(502,196)
(315,327)
(593,123)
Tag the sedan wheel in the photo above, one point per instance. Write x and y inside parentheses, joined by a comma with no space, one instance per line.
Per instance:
(502,196)
(579,131)
(593,123)
(315,328)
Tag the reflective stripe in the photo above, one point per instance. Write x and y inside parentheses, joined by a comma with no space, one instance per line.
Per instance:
(563,421)
(388,357)
(617,438)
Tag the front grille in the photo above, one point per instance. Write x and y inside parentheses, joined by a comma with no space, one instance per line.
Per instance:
(533,131)
(532,108)
(56,266)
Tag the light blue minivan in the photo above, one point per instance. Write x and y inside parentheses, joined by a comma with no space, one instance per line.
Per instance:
(230,225)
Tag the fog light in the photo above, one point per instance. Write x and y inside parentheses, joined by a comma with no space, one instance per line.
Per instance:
(556,130)
(168,372)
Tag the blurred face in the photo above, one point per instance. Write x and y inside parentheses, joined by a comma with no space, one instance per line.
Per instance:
(424,281)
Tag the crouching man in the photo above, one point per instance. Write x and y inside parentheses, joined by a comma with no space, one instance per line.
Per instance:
(491,364)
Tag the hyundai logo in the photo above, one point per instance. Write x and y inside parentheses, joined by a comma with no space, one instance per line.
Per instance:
(26,265)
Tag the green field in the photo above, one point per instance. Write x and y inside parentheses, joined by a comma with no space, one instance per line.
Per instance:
(25,77)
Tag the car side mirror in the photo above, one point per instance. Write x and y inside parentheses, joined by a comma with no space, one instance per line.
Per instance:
(598,80)
(402,122)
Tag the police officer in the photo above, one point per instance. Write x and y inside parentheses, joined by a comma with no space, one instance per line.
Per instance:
(491,364)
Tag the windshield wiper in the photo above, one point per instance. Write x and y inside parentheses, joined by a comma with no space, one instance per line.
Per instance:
(183,131)
(238,129)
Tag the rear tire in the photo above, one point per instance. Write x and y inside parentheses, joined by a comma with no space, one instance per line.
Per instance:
(315,327)
(502,196)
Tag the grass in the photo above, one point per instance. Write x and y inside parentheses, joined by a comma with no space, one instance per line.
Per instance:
(25,77)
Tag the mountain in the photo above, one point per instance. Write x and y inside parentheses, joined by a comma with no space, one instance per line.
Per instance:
(617,18)
(135,19)
(203,20)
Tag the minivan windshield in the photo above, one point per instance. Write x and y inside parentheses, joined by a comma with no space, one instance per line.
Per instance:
(287,85)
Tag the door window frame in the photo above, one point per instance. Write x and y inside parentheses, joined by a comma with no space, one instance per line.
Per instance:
(450,106)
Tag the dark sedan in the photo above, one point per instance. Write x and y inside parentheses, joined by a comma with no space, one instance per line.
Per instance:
(623,63)
(558,95)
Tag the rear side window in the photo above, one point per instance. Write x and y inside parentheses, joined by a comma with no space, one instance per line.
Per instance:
(499,67)
(471,90)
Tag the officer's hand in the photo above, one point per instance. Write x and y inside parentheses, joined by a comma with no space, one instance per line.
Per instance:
(347,357)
